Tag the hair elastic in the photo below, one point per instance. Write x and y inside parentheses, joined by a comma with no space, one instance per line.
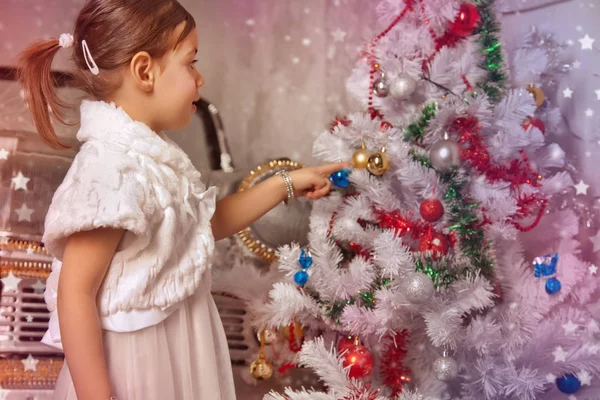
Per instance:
(65,40)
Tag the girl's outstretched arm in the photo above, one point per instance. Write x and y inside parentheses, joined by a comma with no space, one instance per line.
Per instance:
(239,210)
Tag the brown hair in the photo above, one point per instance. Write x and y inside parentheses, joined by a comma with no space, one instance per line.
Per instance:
(115,30)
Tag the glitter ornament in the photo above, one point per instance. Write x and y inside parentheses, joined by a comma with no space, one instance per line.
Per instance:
(436,242)
(417,287)
(431,209)
(445,368)
(553,286)
(270,335)
(403,87)
(261,369)
(360,360)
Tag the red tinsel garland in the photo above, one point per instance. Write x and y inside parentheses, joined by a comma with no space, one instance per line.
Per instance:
(393,372)
(517,172)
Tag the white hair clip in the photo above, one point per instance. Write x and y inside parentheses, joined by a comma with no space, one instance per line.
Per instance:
(89,60)
(65,40)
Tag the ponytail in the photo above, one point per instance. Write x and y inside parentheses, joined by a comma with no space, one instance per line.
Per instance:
(34,64)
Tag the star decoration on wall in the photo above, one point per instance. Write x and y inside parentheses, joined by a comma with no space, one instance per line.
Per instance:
(24,213)
(559,354)
(38,287)
(29,318)
(586,42)
(596,241)
(576,64)
(30,363)
(3,154)
(589,112)
(338,35)
(568,93)
(598,93)
(581,188)
(593,269)
(20,181)
(550,378)
(11,282)
(570,327)
(585,378)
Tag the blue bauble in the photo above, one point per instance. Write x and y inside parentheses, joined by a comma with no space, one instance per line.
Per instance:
(553,286)
(301,277)
(545,265)
(568,383)
(305,260)
(340,178)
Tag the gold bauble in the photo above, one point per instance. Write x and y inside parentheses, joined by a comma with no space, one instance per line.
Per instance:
(537,94)
(378,163)
(270,335)
(261,369)
(360,158)
(298,331)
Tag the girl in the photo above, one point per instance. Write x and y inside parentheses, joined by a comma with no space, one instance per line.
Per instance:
(132,227)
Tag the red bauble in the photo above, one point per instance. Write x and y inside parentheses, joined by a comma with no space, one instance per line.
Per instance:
(345,342)
(360,360)
(467,19)
(431,209)
(538,123)
(435,242)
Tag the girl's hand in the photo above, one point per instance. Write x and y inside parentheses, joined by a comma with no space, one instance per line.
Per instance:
(313,182)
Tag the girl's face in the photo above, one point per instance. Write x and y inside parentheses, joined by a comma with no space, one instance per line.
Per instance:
(177,84)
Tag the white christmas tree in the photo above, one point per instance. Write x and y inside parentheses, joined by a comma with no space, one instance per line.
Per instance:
(433,270)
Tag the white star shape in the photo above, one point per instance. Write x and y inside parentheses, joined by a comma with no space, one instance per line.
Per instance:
(598,93)
(578,28)
(20,181)
(567,93)
(24,213)
(572,397)
(588,153)
(306,42)
(559,354)
(589,112)
(29,318)
(593,269)
(584,377)
(586,42)
(593,327)
(39,286)
(4,153)
(550,378)
(338,35)
(581,188)
(576,64)
(11,282)
(570,327)
(30,251)
(570,42)
(596,241)
(30,363)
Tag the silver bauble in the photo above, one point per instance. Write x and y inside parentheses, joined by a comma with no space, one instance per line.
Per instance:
(403,87)
(445,368)
(418,287)
(444,155)
(380,87)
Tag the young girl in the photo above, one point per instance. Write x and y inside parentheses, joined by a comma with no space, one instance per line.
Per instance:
(132,227)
